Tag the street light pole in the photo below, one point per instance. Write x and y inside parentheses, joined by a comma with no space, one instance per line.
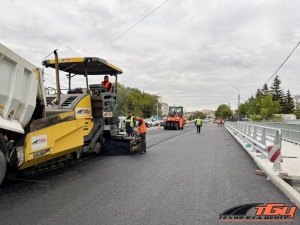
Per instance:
(157,107)
(238,103)
(228,100)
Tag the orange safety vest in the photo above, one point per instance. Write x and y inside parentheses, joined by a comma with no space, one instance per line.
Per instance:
(107,84)
(142,128)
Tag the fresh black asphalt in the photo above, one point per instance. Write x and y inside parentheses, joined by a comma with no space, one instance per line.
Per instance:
(188,179)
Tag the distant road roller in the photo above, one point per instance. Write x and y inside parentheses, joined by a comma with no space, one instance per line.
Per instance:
(39,132)
(175,120)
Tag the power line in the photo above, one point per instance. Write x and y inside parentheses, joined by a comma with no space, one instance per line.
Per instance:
(53,82)
(270,78)
(131,27)
(59,80)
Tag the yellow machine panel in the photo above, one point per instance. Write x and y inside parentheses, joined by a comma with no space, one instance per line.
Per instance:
(83,110)
(53,141)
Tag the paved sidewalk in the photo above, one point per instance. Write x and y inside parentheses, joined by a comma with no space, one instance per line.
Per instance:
(290,156)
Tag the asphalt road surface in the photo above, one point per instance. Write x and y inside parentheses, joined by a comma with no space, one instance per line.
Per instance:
(184,178)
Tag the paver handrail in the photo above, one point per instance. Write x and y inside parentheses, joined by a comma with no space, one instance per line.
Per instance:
(257,140)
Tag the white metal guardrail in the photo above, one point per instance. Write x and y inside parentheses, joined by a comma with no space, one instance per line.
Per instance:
(256,139)
(290,132)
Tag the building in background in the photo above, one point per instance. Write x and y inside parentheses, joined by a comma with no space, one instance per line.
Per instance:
(165,108)
(159,99)
(296,101)
(209,113)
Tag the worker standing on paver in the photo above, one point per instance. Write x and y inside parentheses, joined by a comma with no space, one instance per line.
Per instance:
(198,124)
(129,124)
(142,131)
(219,121)
(106,83)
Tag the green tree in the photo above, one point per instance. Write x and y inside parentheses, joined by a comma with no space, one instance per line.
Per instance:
(254,106)
(297,113)
(141,104)
(289,104)
(269,107)
(191,117)
(265,89)
(251,98)
(258,93)
(244,107)
(276,91)
(123,94)
(223,111)
(200,114)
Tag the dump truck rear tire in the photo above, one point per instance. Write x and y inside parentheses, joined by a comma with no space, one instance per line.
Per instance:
(2,166)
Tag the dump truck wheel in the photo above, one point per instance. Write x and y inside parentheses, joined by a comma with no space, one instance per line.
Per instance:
(2,166)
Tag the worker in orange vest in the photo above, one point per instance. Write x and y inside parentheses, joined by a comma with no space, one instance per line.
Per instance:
(223,122)
(219,121)
(106,83)
(142,131)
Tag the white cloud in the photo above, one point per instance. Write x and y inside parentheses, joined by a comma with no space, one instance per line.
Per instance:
(188,50)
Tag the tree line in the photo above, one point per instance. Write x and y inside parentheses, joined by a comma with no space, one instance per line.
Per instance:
(269,101)
(139,102)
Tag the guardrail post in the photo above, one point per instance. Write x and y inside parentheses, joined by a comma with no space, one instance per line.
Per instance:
(244,139)
(239,135)
(263,136)
(263,141)
(253,148)
(249,129)
(255,133)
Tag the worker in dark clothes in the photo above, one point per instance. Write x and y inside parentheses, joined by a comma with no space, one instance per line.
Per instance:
(198,124)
